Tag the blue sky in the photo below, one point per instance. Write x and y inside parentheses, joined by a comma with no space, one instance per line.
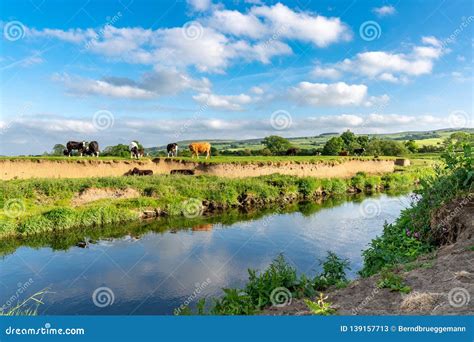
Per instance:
(162,71)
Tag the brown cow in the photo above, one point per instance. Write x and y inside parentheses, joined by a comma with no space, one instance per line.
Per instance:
(200,147)
(343,153)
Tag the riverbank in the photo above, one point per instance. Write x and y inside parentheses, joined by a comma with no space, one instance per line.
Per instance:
(45,205)
(227,167)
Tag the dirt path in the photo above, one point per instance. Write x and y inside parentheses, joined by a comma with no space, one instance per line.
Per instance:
(41,168)
(443,283)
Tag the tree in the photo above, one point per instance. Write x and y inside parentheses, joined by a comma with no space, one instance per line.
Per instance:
(333,146)
(363,141)
(120,150)
(277,145)
(411,146)
(58,150)
(385,148)
(349,138)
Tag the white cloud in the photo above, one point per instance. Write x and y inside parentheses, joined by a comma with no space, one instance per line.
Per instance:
(394,67)
(384,10)
(223,102)
(199,5)
(257,90)
(329,73)
(154,84)
(334,94)
(303,26)
(222,37)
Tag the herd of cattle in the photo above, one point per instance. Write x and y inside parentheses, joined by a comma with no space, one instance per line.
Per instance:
(92,149)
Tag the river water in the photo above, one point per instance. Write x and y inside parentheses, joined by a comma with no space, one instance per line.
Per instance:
(155,267)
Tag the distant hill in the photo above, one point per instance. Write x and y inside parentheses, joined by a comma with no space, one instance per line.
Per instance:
(433,137)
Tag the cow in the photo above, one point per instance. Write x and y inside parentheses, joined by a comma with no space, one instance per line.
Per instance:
(292,151)
(200,147)
(137,172)
(93,149)
(359,151)
(344,153)
(133,148)
(75,145)
(172,150)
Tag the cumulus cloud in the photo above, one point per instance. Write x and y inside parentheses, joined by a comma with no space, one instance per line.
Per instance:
(384,10)
(154,84)
(199,5)
(329,73)
(218,39)
(333,94)
(390,66)
(224,102)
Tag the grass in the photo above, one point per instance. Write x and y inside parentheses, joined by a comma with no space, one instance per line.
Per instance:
(44,205)
(412,234)
(27,307)
(213,159)
(277,285)
(393,282)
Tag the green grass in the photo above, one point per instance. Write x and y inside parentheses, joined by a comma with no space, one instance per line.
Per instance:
(213,159)
(47,204)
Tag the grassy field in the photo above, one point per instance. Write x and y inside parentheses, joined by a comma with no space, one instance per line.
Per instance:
(39,205)
(213,159)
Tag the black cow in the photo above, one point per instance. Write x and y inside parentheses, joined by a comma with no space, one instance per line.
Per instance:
(359,151)
(172,150)
(81,147)
(292,151)
(93,149)
(137,172)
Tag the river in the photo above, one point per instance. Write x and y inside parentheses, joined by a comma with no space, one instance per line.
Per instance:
(154,267)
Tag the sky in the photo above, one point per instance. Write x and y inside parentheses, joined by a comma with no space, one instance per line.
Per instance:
(164,71)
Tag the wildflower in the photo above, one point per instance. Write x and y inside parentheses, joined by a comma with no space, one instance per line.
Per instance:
(408,232)
(416,235)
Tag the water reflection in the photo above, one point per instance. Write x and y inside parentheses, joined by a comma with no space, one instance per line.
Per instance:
(153,267)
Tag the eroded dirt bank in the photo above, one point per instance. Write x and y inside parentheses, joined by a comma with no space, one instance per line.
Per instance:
(442,283)
(23,169)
